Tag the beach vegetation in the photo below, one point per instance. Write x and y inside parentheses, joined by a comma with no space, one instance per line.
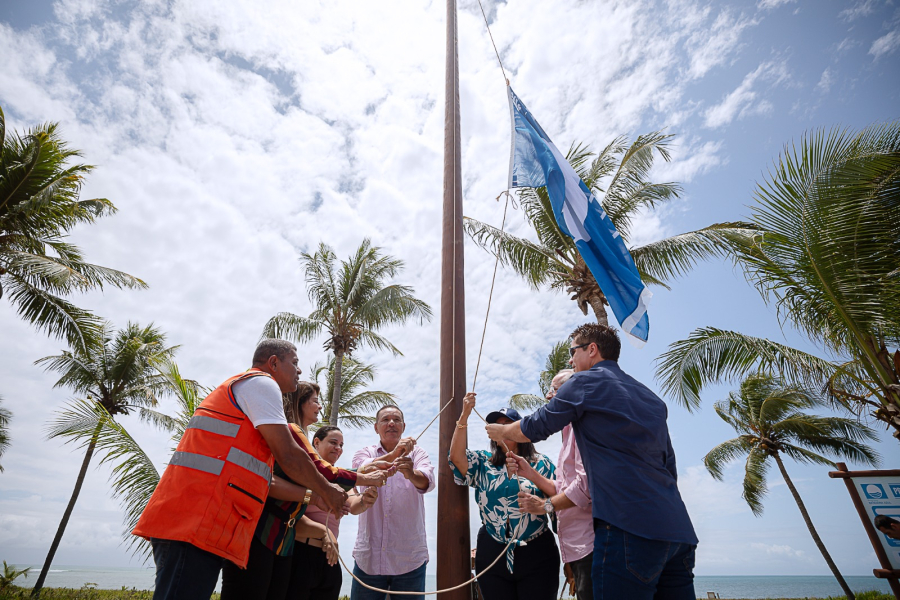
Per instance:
(357,401)
(40,186)
(10,574)
(352,301)
(619,177)
(5,418)
(772,421)
(557,360)
(829,261)
(114,374)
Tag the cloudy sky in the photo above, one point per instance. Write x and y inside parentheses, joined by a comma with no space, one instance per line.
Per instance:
(231,138)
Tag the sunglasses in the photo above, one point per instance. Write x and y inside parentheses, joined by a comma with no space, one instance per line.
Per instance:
(572,349)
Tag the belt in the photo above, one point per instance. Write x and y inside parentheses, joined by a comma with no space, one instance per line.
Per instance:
(314,542)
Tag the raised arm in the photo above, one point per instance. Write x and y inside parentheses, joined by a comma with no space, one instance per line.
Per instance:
(458,443)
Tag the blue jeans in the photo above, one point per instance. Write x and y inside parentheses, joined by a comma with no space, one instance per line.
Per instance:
(414,581)
(184,571)
(636,568)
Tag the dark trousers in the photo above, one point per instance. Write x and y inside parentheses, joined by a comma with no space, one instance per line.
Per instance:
(312,578)
(266,577)
(581,570)
(535,566)
(633,567)
(184,571)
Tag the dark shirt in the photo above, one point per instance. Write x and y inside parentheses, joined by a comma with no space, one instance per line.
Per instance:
(620,428)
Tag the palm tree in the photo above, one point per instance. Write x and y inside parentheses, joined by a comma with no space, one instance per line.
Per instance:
(10,574)
(769,417)
(134,477)
(830,260)
(356,399)
(557,360)
(5,417)
(116,374)
(39,204)
(351,303)
(555,261)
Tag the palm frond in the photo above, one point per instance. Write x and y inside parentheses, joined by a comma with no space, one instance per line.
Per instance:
(674,256)
(755,486)
(526,402)
(288,326)
(718,458)
(5,415)
(51,314)
(527,259)
(713,355)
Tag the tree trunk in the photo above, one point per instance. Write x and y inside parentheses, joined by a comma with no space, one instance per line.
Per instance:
(599,310)
(812,530)
(36,592)
(336,393)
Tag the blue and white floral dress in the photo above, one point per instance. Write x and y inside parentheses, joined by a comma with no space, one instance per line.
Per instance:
(496,495)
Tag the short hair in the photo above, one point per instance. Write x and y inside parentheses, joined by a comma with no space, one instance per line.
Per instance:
(296,399)
(564,374)
(387,406)
(272,347)
(605,337)
(885,522)
(323,431)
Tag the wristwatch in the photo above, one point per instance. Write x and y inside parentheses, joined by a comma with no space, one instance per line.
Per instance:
(548,506)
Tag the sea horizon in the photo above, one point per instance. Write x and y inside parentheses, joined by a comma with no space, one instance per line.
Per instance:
(727,586)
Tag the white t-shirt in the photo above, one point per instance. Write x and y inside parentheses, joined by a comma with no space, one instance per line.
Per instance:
(260,399)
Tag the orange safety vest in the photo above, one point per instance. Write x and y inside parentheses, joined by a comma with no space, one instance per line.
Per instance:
(213,490)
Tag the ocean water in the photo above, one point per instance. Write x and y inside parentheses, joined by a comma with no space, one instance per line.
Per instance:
(114,578)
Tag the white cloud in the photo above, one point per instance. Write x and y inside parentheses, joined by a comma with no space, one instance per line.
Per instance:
(716,43)
(781,550)
(745,99)
(886,44)
(770,4)
(825,81)
(860,8)
(231,137)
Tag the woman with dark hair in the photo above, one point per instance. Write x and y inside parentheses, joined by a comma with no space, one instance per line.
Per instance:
(268,571)
(530,570)
(316,574)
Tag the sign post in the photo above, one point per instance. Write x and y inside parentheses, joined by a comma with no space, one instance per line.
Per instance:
(877,493)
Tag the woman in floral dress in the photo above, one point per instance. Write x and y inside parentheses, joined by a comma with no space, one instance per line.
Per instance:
(530,568)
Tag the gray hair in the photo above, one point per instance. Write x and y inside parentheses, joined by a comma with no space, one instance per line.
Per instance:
(272,347)
(565,375)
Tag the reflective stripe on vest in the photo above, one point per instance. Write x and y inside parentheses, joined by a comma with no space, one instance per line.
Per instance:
(207,464)
(214,425)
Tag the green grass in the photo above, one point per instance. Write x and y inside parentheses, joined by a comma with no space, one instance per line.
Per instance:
(90,593)
(87,592)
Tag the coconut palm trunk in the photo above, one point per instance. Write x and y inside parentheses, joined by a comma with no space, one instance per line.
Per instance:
(336,394)
(36,592)
(599,310)
(812,529)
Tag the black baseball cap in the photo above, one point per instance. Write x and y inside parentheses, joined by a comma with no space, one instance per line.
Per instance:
(509,413)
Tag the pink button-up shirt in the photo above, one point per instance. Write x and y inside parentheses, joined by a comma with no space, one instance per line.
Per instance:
(576,525)
(391,535)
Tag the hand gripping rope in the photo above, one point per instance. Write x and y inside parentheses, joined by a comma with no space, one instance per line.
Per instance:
(515,537)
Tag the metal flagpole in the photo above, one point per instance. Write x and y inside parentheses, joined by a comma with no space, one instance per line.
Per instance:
(453,544)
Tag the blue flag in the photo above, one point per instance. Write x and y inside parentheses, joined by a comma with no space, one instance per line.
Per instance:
(536,162)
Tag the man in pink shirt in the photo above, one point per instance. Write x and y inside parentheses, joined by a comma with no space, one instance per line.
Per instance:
(570,497)
(391,551)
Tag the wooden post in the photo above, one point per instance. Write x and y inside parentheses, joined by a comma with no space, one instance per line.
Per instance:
(885,572)
(453,544)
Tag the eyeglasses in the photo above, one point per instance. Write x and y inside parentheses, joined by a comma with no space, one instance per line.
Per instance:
(572,349)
